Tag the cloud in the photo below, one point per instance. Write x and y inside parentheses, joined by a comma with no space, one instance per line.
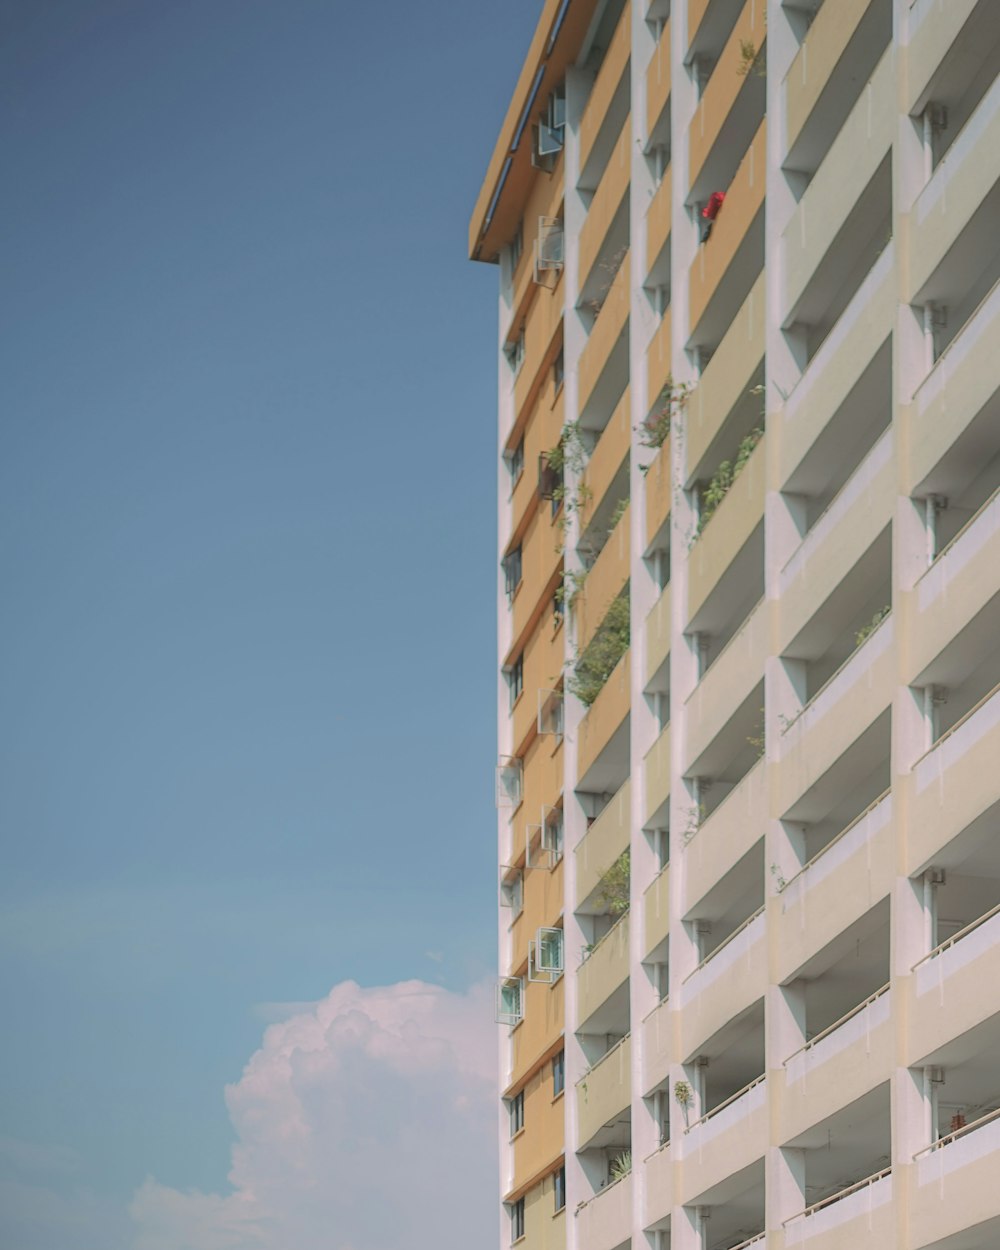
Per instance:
(366,1122)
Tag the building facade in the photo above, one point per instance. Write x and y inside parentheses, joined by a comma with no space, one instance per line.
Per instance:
(749,728)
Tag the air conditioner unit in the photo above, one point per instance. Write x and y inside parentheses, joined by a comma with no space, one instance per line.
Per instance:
(550,712)
(510,1000)
(509,781)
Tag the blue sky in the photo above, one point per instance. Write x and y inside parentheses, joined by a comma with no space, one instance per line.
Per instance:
(247,548)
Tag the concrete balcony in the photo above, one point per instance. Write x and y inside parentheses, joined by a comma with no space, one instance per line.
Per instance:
(605,718)
(659,359)
(956,987)
(934,28)
(658,80)
(608,465)
(862,1216)
(659,1186)
(730,981)
(729,681)
(728,1139)
(543,1021)
(541,560)
(954,1188)
(850,702)
(950,210)
(962,582)
(964,380)
(602,113)
(728,531)
(726,836)
(731,106)
(607,204)
(540,433)
(657,636)
(605,582)
(841,1064)
(724,385)
(657,777)
(604,1092)
(727,266)
(835,545)
(603,972)
(658,498)
(848,168)
(602,844)
(605,1222)
(837,887)
(658,222)
(846,353)
(657,1034)
(603,367)
(656,910)
(954,783)
(835,60)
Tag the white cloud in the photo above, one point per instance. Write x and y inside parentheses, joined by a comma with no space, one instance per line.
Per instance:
(366,1122)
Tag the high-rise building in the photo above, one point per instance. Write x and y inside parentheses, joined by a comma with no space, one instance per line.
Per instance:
(749,625)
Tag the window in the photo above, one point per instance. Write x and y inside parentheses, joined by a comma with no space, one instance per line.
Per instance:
(558,369)
(512,894)
(517,1220)
(515,462)
(515,680)
(516,246)
(559,1187)
(514,351)
(510,1001)
(552,835)
(511,565)
(549,950)
(515,1106)
(558,1073)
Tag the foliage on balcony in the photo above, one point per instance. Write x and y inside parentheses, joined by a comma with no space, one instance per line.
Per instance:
(866,631)
(724,477)
(601,655)
(655,430)
(613,891)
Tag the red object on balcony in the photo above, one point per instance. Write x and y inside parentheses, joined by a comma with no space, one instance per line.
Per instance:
(711,209)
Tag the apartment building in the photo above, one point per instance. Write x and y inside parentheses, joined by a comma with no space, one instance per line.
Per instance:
(749,625)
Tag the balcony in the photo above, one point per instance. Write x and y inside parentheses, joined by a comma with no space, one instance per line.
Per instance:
(657,637)
(657,1032)
(725,837)
(607,106)
(604,1092)
(730,1138)
(939,31)
(606,474)
(825,390)
(730,680)
(659,359)
(658,224)
(601,979)
(659,1187)
(605,1221)
(607,215)
(725,542)
(602,844)
(816,242)
(724,388)
(836,59)
(725,984)
(845,1061)
(955,410)
(850,703)
(957,987)
(731,107)
(605,582)
(861,1216)
(658,497)
(603,367)
(656,911)
(852,873)
(956,1187)
(658,81)
(657,777)
(727,266)
(602,736)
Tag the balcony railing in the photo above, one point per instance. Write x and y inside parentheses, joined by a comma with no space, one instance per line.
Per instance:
(607,1055)
(959,723)
(988,1118)
(961,533)
(750,1241)
(726,941)
(833,677)
(590,950)
(727,1102)
(957,937)
(838,836)
(841,1193)
(849,1015)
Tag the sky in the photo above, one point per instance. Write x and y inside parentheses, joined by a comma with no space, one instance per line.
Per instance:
(247,549)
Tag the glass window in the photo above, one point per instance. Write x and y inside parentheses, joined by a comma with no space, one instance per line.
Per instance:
(516,1108)
(517,1219)
(559,1179)
(559,1073)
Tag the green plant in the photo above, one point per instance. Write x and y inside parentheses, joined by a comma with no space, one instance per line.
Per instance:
(778,877)
(601,655)
(727,473)
(621,507)
(655,430)
(685,1097)
(866,631)
(753,60)
(570,589)
(614,886)
(620,1166)
(610,268)
(757,739)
